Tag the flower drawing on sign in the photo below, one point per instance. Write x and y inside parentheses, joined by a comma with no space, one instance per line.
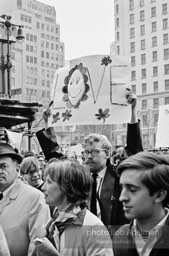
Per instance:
(106,61)
(66,115)
(56,117)
(103,114)
(76,87)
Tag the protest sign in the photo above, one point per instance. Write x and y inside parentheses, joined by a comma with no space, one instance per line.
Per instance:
(162,136)
(91,90)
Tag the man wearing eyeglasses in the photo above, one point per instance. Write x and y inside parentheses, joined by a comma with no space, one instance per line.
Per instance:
(97,152)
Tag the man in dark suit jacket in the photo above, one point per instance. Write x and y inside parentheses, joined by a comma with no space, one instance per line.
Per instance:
(97,152)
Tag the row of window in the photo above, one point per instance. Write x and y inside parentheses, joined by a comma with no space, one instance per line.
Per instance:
(33,92)
(47,27)
(144,73)
(144,104)
(142,2)
(48,37)
(154,57)
(155,86)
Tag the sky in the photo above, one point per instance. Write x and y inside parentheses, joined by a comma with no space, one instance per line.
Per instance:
(86,26)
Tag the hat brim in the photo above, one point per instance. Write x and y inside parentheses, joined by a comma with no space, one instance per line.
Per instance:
(13,155)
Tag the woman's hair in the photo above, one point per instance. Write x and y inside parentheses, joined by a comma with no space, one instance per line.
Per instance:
(155,167)
(74,180)
(29,163)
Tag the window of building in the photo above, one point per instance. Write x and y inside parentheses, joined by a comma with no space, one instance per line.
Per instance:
(155,71)
(155,119)
(155,103)
(142,15)
(132,33)
(165,23)
(117,22)
(166,54)
(132,47)
(166,84)
(47,55)
(166,69)
(133,61)
(154,26)
(133,87)
(164,9)
(43,82)
(38,24)
(155,84)
(143,44)
(166,100)
(47,45)
(27,58)
(131,18)
(144,104)
(143,59)
(141,3)
(143,73)
(142,30)
(118,36)
(154,56)
(42,26)
(153,12)
(165,38)
(42,54)
(118,50)
(27,47)
(154,41)
(35,60)
(117,8)
(144,117)
(144,88)
(131,4)
(133,75)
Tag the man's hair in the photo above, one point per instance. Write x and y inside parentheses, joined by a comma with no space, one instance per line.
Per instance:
(95,137)
(74,180)
(155,167)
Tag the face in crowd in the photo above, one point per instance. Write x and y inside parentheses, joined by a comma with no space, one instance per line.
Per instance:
(96,152)
(30,169)
(8,172)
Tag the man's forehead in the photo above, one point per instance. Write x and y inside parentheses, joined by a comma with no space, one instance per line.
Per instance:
(92,143)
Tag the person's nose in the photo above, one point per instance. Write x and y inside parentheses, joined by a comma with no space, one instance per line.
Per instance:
(124,195)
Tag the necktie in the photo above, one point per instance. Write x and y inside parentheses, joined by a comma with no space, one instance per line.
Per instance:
(94,195)
(1,196)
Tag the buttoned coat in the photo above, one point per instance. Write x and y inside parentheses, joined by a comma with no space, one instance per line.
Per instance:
(22,213)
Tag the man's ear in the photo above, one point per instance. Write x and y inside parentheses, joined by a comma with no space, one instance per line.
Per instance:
(160,195)
(107,153)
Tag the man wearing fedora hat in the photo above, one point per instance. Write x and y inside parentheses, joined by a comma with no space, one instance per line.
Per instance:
(23,210)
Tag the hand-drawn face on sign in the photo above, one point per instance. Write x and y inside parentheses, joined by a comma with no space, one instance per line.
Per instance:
(75,88)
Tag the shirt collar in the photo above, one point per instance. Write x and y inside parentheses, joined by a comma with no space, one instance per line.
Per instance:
(101,174)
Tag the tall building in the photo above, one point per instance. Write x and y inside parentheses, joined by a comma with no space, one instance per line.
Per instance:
(35,60)
(142,33)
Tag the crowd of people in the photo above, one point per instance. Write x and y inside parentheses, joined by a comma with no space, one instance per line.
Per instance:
(113,203)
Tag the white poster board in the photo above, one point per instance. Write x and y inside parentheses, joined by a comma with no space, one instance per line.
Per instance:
(162,136)
(92,90)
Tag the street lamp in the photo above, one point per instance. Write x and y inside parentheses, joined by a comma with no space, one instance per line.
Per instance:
(9,28)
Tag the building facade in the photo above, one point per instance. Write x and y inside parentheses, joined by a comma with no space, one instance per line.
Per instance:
(142,33)
(36,59)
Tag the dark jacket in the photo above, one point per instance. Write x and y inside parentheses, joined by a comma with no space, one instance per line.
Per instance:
(124,245)
(112,213)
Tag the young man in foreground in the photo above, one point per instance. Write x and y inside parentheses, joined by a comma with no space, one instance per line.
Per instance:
(144,179)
